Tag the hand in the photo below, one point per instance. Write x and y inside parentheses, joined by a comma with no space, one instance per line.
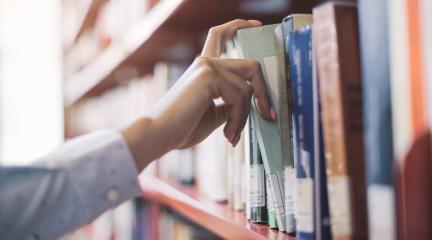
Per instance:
(187,114)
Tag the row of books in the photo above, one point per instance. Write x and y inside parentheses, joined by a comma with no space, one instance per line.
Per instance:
(349,156)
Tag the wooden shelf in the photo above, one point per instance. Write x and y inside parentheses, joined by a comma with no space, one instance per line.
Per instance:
(87,20)
(215,217)
(100,74)
(173,31)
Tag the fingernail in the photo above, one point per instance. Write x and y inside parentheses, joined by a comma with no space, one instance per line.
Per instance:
(237,139)
(232,136)
(256,22)
(273,113)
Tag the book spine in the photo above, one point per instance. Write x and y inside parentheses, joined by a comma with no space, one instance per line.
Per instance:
(271,215)
(426,8)
(337,49)
(426,14)
(235,175)
(377,119)
(230,176)
(212,174)
(284,121)
(247,163)
(302,110)
(322,213)
(257,182)
(289,170)
(411,138)
(186,164)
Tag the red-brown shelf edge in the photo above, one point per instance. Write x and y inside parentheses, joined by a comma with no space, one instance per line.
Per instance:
(216,217)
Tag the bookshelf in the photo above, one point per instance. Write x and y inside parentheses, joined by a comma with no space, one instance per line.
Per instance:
(172,31)
(177,26)
(218,218)
(99,75)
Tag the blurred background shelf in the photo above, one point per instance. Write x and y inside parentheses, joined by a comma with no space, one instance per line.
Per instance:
(172,31)
(218,218)
(87,20)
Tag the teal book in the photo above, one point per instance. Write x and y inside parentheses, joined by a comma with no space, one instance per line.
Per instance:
(259,44)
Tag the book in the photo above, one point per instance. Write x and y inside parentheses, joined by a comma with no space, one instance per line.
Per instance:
(302,109)
(283,118)
(248,161)
(258,44)
(186,166)
(426,8)
(322,212)
(271,215)
(411,137)
(235,160)
(290,23)
(312,206)
(426,14)
(377,119)
(337,52)
(256,176)
(212,173)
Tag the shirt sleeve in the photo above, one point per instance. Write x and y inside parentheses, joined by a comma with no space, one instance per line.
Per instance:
(68,188)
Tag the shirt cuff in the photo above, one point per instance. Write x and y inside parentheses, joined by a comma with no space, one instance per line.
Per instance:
(102,169)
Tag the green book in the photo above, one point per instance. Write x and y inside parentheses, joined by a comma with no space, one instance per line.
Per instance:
(271,217)
(258,44)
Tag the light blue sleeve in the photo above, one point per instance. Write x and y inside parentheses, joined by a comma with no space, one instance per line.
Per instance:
(68,188)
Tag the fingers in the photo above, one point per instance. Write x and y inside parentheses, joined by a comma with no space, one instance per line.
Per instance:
(230,79)
(251,72)
(239,104)
(214,117)
(218,35)
(227,30)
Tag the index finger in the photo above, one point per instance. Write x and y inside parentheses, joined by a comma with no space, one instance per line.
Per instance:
(251,71)
(218,35)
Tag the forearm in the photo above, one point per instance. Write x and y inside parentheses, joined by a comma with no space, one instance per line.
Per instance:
(146,140)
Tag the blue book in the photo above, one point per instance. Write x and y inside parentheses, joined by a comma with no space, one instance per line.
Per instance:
(377,118)
(289,24)
(302,101)
(312,213)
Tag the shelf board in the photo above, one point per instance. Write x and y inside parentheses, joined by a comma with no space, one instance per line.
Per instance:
(215,217)
(173,31)
(87,20)
(101,72)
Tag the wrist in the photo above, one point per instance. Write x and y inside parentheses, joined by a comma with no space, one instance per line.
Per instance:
(146,141)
